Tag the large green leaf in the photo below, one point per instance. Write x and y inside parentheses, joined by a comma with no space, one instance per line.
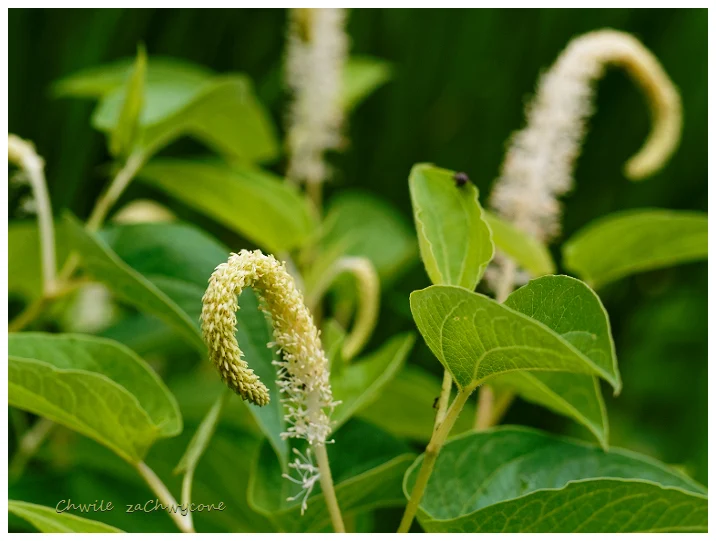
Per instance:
(475,338)
(48,520)
(104,265)
(359,224)
(361,382)
(367,466)
(254,203)
(361,76)
(636,241)
(455,241)
(513,479)
(94,386)
(525,249)
(406,407)
(98,81)
(572,310)
(126,128)
(178,259)
(222,113)
(577,396)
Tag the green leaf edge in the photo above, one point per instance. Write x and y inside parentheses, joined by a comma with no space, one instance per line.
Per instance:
(23,513)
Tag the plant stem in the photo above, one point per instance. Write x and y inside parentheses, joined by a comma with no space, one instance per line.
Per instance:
(329,492)
(115,190)
(165,497)
(186,495)
(485,405)
(431,455)
(29,444)
(486,395)
(443,400)
(36,308)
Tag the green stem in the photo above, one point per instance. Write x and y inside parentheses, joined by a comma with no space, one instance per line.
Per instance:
(29,444)
(329,492)
(430,457)
(115,190)
(444,400)
(165,497)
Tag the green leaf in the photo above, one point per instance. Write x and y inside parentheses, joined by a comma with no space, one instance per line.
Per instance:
(98,81)
(571,309)
(48,520)
(361,76)
(221,112)
(94,386)
(126,129)
(367,466)
(254,203)
(359,224)
(526,250)
(513,479)
(455,241)
(576,396)
(177,259)
(361,382)
(405,408)
(475,338)
(630,242)
(129,285)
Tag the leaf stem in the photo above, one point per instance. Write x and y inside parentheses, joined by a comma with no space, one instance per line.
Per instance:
(430,457)
(28,446)
(115,190)
(329,492)
(165,497)
(36,308)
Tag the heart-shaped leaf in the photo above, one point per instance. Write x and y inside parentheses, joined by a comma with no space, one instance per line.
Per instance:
(254,203)
(367,466)
(513,479)
(48,520)
(455,241)
(525,249)
(92,385)
(361,382)
(626,243)
(163,269)
(475,337)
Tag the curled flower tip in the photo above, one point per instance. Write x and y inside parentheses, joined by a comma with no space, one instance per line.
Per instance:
(540,160)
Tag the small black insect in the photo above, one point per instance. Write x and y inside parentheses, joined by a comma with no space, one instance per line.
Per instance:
(435,402)
(461,179)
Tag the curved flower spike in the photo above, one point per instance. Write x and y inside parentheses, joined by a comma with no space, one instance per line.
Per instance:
(539,163)
(303,372)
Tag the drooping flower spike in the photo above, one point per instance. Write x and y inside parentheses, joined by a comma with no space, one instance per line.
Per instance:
(538,166)
(303,371)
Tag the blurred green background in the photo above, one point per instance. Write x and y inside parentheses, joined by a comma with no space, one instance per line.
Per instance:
(460,81)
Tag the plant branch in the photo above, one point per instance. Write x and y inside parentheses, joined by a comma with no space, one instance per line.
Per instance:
(430,458)
(329,492)
(165,497)
(115,190)
(37,307)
